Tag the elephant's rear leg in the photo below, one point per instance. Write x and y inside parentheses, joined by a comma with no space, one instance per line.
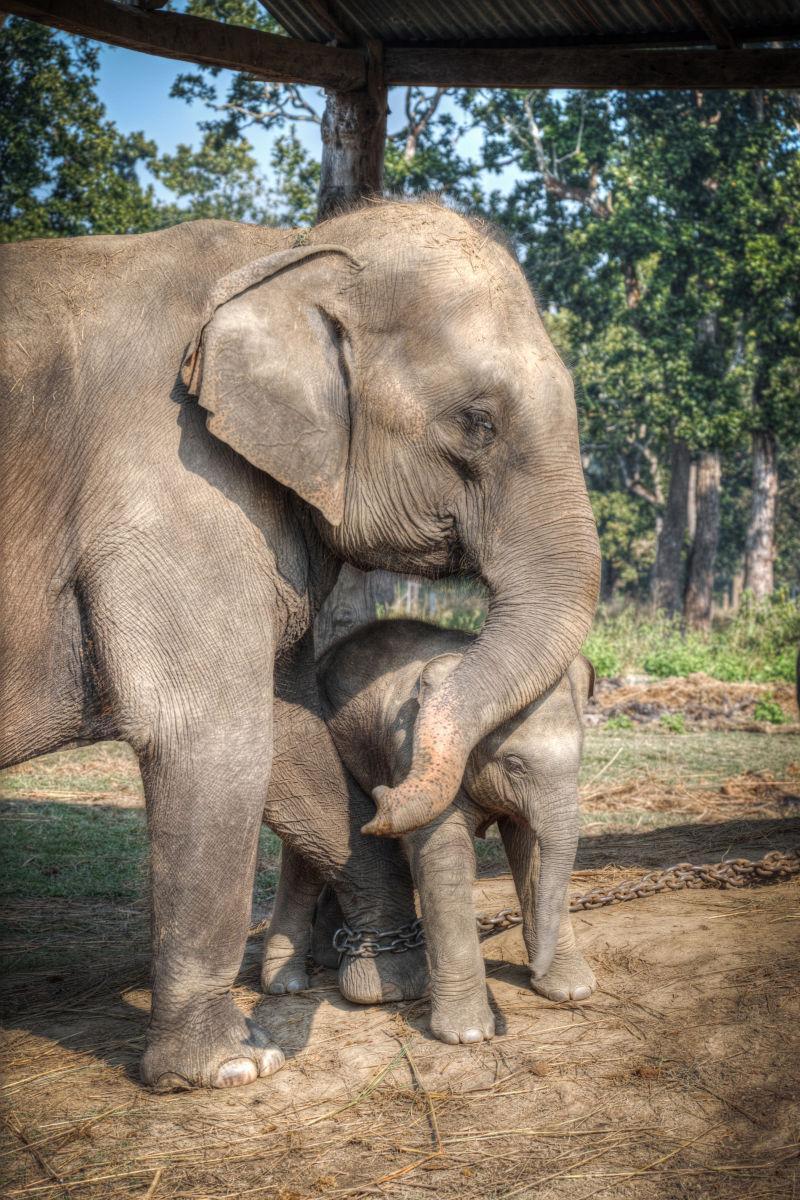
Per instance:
(288,939)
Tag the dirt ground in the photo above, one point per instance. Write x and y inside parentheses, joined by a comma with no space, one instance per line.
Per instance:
(679,1078)
(704,703)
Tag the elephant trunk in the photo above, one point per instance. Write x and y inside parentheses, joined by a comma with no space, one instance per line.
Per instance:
(541,852)
(558,844)
(542,571)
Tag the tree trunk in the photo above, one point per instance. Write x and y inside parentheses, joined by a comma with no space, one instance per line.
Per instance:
(354,601)
(700,586)
(760,541)
(667,587)
(353,138)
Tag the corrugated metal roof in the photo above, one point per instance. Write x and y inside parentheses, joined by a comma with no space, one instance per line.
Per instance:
(532,22)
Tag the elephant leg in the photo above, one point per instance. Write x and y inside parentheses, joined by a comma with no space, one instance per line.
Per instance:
(287,943)
(317,809)
(569,977)
(204,790)
(188,673)
(442,857)
(328,917)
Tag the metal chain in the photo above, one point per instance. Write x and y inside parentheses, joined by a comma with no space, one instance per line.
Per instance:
(736,872)
(367,943)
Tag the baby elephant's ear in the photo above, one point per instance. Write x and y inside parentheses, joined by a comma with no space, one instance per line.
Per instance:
(581,680)
(434,673)
(268,366)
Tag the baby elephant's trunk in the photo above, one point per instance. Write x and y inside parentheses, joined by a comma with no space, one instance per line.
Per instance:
(542,854)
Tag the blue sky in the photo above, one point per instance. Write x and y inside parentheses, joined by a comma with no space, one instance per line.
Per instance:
(135,90)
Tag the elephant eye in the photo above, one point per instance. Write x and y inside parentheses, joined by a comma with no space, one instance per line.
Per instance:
(479,425)
(514,765)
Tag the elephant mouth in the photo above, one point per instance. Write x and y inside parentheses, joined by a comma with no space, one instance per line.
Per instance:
(439,554)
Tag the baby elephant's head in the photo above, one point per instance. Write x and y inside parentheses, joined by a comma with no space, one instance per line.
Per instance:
(525,774)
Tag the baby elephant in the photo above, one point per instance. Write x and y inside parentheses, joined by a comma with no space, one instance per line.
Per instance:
(524,775)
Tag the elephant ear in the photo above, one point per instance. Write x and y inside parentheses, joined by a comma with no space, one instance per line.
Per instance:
(267,365)
(581,675)
(434,673)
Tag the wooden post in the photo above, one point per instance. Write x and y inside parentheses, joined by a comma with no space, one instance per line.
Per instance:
(353,140)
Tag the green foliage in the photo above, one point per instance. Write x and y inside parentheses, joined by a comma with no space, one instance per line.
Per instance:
(67,169)
(768,709)
(621,721)
(678,655)
(219,180)
(627,539)
(758,645)
(602,654)
(672,722)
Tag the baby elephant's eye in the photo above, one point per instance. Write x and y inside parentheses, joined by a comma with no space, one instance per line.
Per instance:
(514,765)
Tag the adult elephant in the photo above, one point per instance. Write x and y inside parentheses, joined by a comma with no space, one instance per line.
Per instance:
(199,425)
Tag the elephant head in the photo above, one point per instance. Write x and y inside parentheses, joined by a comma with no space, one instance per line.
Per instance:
(525,773)
(393,372)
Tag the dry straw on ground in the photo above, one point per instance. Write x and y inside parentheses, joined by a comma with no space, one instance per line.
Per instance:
(679,1079)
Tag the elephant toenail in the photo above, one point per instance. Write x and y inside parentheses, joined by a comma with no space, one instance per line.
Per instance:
(170,1082)
(581,993)
(294,985)
(449,1036)
(472,1035)
(236,1072)
(270,1061)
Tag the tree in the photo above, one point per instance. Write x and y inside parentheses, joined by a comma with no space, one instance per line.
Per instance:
(67,169)
(633,212)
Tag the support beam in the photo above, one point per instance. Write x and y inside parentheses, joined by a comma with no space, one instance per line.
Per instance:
(195,39)
(343,69)
(353,140)
(587,67)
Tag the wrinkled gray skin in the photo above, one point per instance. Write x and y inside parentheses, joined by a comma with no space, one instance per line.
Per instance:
(198,426)
(524,775)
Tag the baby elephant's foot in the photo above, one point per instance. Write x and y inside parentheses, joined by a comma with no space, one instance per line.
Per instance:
(283,968)
(282,976)
(384,978)
(208,1046)
(466,1020)
(569,978)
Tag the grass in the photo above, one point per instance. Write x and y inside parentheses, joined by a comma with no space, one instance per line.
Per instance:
(96,853)
(77,849)
(706,758)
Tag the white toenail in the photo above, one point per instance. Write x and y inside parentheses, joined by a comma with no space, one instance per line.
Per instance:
(236,1072)
(271,1060)
(581,993)
(472,1035)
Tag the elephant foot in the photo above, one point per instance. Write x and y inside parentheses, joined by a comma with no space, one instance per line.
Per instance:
(465,1020)
(284,976)
(569,978)
(213,1046)
(283,967)
(384,978)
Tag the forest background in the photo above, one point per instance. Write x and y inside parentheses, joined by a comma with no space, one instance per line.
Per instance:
(659,230)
